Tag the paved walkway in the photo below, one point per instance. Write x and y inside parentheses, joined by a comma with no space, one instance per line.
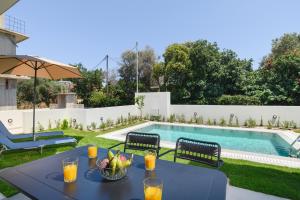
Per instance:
(234,193)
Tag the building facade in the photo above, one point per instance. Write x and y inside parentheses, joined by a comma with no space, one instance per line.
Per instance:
(12,32)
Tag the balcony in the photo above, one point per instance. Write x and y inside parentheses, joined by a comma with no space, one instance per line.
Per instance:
(13,26)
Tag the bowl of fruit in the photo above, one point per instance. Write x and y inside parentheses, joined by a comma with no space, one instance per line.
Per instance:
(114,167)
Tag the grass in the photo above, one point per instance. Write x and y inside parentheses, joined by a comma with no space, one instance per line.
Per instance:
(274,180)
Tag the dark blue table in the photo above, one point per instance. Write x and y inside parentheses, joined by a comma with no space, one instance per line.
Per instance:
(43,179)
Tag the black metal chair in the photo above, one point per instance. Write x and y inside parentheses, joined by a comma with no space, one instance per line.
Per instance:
(141,141)
(199,151)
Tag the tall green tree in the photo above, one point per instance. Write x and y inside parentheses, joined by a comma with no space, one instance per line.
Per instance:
(127,73)
(92,80)
(279,73)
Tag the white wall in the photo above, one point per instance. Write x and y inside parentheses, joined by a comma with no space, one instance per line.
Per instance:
(288,113)
(113,113)
(22,119)
(156,103)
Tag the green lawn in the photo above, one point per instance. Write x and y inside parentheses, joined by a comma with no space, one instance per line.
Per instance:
(274,180)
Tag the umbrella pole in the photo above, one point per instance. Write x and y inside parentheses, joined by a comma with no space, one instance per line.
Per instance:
(34,101)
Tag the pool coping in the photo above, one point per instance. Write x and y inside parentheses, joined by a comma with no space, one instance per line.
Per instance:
(287,135)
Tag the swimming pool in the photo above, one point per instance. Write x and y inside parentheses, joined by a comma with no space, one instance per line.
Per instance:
(251,141)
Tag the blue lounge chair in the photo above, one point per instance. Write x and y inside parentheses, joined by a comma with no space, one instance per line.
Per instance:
(5,132)
(7,144)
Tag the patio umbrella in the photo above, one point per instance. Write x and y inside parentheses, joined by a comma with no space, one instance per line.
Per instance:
(37,67)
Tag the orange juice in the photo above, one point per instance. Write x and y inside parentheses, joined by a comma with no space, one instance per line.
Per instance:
(70,173)
(153,193)
(150,162)
(92,151)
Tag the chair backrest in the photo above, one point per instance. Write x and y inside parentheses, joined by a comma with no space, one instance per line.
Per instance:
(142,141)
(3,130)
(199,151)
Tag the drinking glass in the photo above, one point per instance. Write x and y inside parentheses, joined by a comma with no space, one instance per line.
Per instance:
(92,151)
(70,166)
(153,188)
(150,159)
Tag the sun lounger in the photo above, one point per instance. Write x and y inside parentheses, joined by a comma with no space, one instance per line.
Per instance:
(7,144)
(5,132)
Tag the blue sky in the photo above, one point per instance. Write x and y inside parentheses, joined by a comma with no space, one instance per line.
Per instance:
(73,31)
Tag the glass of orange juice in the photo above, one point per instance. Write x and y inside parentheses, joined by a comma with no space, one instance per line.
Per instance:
(153,188)
(70,166)
(92,151)
(150,158)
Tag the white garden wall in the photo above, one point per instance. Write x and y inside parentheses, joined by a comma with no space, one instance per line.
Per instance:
(21,120)
(243,113)
(156,103)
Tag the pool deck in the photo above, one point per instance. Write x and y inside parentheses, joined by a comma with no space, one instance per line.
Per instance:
(287,135)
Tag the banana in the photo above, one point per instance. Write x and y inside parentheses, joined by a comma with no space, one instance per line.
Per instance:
(110,155)
(113,165)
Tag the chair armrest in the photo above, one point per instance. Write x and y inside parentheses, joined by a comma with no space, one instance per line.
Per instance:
(116,145)
(160,155)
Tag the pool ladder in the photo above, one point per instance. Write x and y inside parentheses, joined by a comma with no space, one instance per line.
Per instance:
(295,153)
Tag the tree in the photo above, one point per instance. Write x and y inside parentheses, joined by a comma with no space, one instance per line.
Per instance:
(279,73)
(127,73)
(100,99)
(139,101)
(91,80)
(177,63)
(46,91)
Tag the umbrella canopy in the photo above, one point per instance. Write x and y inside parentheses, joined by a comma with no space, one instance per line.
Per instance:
(24,65)
(37,67)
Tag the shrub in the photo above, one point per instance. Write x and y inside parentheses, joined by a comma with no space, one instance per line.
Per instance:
(238,100)
(222,122)
(270,125)
(57,123)
(215,122)
(209,122)
(49,125)
(278,123)
(155,118)
(102,126)
(109,123)
(93,125)
(172,118)
(80,127)
(199,120)
(237,121)
(250,123)
(181,118)
(261,121)
(64,125)
(40,127)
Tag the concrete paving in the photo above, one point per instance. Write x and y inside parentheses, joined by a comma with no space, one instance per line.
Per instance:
(234,193)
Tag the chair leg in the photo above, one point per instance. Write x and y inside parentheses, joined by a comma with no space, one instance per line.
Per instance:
(41,150)
(3,148)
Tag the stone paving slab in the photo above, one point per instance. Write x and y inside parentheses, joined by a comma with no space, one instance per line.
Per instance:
(235,193)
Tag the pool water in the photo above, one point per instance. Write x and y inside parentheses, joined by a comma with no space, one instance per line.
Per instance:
(251,141)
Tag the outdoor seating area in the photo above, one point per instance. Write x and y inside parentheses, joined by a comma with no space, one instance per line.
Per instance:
(205,108)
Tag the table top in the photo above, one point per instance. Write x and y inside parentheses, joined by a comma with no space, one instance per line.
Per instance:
(43,179)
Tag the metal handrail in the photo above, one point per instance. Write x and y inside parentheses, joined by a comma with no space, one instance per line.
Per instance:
(14,24)
(297,152)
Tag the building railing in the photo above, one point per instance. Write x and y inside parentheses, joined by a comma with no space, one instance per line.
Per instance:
(14,24)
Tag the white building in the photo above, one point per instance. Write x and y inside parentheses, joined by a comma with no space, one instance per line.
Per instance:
(12,32)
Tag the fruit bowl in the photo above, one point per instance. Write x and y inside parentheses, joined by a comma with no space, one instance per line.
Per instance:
(114,167)
(107,173)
